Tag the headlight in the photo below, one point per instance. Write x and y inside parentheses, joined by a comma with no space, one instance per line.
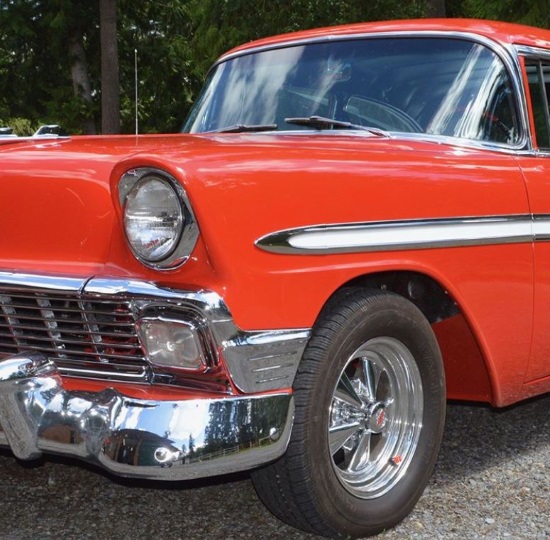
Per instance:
(153,219)
(158,222)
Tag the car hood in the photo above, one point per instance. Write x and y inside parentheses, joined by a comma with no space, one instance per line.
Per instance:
(59,207)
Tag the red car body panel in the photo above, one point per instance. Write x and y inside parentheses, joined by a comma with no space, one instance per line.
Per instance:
(242,190)
(60,215)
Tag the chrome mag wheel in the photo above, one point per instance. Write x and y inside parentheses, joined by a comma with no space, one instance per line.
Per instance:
(375,417)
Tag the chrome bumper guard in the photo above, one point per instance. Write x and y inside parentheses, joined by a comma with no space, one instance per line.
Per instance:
(164,440)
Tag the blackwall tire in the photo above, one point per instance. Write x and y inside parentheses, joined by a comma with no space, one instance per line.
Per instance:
(370,411)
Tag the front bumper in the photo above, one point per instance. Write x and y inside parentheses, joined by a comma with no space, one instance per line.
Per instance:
(165,440)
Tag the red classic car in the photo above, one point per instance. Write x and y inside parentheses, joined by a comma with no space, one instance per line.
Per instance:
(353,227)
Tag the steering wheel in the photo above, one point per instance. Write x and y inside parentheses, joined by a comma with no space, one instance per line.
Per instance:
(375,113)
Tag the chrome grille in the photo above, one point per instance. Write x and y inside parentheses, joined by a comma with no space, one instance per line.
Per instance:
(84,335)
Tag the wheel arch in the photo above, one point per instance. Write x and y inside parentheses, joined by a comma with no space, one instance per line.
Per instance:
(466,365)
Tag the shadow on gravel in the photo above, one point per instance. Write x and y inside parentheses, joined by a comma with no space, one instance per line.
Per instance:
(478,437)
(121,481)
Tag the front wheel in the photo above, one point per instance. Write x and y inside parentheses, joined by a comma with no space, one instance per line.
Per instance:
(370,408)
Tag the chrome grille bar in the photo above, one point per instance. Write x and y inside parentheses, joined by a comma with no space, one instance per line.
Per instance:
(85,335)
(75,352)
(69,331)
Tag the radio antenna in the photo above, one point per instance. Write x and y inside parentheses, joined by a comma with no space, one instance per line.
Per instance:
(136,89)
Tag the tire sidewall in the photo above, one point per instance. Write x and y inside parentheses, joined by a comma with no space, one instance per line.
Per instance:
(385,315)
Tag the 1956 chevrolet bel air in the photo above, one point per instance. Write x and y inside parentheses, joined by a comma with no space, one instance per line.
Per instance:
(353,227)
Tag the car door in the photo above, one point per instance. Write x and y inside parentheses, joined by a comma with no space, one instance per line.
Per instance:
(536,169)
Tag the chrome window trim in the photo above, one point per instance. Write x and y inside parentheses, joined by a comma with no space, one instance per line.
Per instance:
(401,235)
(534,53)
(468,144)
(507,53)
(359,35)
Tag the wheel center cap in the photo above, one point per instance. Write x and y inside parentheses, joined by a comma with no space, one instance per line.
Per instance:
(377,418)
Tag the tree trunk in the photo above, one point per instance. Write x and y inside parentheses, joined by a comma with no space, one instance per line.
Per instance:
(79,74)
(436,8)
(110,88)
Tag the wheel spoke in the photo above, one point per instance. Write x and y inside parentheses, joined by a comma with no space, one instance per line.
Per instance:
(373,372)
(368,378)
(346,393)
(339,435)
(361,454)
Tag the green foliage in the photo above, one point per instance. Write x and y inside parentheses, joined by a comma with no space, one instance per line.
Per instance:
(35,70)
(220,25)
(176,42)
(533,13)
(21,126)
(159,32)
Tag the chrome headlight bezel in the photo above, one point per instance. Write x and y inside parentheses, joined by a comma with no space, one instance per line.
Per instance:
(187,233)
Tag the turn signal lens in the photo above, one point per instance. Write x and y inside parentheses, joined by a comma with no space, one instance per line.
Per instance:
(170,343)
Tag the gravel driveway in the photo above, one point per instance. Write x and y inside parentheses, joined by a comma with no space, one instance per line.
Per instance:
(492,481)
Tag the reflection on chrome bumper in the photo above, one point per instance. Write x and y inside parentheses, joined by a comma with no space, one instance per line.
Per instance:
(165,440)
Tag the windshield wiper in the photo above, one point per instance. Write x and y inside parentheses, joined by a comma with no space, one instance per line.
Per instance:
(320,122)
(244,128)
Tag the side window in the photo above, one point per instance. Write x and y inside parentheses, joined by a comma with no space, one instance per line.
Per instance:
(538,75)
(479,101)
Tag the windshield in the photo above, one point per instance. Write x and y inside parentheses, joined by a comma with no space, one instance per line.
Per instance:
(438,86)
